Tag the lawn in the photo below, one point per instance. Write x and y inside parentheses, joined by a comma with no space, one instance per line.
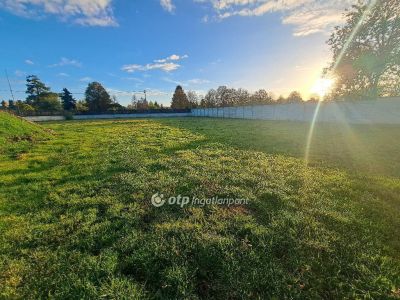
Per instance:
(77,222)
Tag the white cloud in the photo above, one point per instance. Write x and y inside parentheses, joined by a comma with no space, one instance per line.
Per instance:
(155,92)
(319,18)
(170,80)
(62,75)
(167,67)
(198,81)
(86,79)
(172,57)
(138,80)
(168,5)
(205,19)
(306,16)
(166,64)
(19,73)
(67,62)
(83,12)
(29,62)
(122,93)
(118,92)
(190,82)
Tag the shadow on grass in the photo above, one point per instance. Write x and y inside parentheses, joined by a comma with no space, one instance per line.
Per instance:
(85,227)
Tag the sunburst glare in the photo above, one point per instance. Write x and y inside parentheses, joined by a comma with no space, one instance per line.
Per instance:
(322,86)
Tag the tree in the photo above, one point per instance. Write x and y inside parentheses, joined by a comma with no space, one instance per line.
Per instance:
(209,99)
(39,95)
(97,98)
(193,99)
(68,102)
(294,97)
(4,104)
(314,98)
(223,96)
(366,51)
(203,103)
(142,104)
(81,106)
(48,102)
(261,97)
(134,102)
(24,107)
(153,105)
(281,100)
(35,88)
(11,104)
(179,99)
(242,97)
(115,106)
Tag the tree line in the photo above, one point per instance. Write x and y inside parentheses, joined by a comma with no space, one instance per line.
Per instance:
(40,98)
(224,96)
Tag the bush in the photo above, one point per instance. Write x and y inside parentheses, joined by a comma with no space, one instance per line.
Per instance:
(68,115)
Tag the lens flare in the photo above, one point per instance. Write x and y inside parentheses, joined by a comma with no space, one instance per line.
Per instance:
(322,86)
(311,132)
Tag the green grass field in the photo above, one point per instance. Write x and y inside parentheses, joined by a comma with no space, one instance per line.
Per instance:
(76,219)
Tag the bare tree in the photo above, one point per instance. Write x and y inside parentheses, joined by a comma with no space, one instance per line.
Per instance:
(193,99)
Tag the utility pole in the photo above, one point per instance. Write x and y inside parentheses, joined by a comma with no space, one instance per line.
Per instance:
(12,94)
(9,85)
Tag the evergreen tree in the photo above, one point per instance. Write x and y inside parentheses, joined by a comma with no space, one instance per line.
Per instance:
(68,101)
(35,88)
(180,100)
(39,95)
(11,104)
(97,98)
(154,105)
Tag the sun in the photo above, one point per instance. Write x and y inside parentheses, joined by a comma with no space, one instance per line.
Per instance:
(322,86)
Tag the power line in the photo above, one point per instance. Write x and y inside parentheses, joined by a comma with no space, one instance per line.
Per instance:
(80,93)
(9,85)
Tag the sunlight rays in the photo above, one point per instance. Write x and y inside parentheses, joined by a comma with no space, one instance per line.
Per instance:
(322,85)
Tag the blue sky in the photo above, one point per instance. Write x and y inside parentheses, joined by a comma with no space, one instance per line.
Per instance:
(132,45)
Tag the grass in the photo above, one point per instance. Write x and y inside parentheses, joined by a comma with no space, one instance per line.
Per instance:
(17,135)
(371,149)
(76,219)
